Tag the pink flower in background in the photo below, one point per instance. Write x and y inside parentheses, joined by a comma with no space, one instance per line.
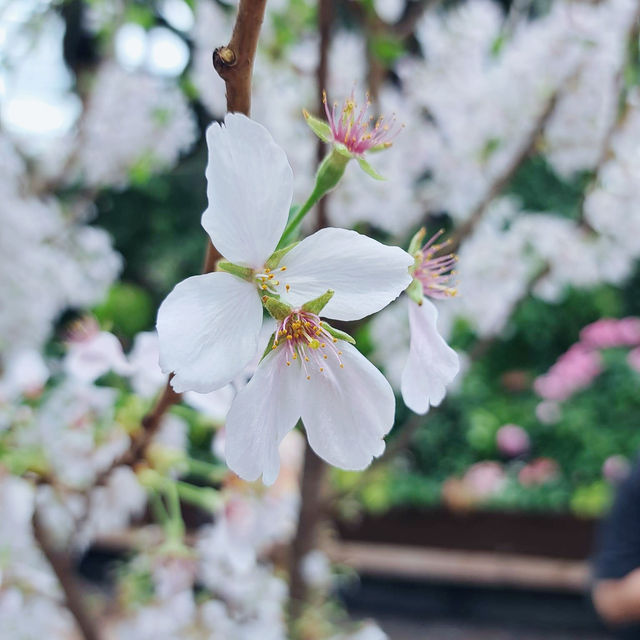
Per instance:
(484,479)
(538,472)
(634,359)
(616,468)
(611,332)
(574,370)
(512,440)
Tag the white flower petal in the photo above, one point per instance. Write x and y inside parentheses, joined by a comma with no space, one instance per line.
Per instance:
(250,185)
(208,329)
(261,416)
(347,412)
(432,363)
(91,358)
(365,274)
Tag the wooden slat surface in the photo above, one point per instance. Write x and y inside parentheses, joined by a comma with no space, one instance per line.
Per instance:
(479,568)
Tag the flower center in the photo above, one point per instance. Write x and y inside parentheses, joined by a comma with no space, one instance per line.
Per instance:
(355,129)
(269,279)
(436,273)
(307,342)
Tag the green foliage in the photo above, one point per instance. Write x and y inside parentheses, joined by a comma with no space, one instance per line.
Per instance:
(156,226)
(540,189)
(386,48)
(127,309)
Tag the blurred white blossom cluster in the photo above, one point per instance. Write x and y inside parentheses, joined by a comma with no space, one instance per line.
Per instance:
(133,122)
(481,93)
(40,239)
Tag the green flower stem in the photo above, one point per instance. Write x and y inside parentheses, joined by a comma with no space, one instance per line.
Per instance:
(204,497)
(175,525)
(295,221)
(329,173)
(157,506)
(206,470)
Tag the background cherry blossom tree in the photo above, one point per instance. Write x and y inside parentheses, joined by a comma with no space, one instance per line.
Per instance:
(516,132)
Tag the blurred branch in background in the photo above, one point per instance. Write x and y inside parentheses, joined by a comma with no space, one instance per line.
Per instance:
(527,149)
(315,471)
(63,565)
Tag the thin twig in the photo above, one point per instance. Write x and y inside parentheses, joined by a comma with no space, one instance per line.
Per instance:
(63,567)
(606,150)
(312,501)
(405,26)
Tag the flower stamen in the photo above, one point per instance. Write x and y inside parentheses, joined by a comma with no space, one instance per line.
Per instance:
(436,272)
(306,341)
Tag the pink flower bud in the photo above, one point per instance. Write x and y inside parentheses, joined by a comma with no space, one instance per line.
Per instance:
(512,440)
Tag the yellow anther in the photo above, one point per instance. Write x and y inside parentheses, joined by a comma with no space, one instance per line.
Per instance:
(295,356)
(323,345)
(306,359)
(342,366)
(324,356)
(335,340)
(289,337)
(271,276)
(339,353)
(283,268)
(267,270)
(287,287)
(264,287)
(308,377)
(277,282)
(321,369)
(314,344)
(274,346)
(288,364)
(265,298)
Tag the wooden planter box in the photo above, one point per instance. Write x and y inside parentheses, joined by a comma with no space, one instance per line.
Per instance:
(561,536)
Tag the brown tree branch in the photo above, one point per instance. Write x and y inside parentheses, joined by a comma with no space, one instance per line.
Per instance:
(64,569)
(325,18)
(234,63)
(606,150)
(405,26)
(526,149)
(314,473)
(312,512)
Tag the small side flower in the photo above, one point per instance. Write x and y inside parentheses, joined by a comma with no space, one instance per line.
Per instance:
(432,364)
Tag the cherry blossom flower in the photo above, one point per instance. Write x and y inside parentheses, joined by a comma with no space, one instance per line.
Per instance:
(92,352)
(209,325)
(352,133)
(353,128)
(432,363)
(346,404)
